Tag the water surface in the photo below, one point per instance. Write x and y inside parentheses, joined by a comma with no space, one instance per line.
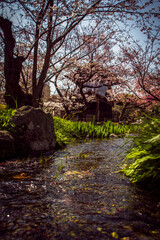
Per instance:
(77,193)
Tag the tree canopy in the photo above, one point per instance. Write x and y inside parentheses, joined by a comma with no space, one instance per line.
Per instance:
(40,39)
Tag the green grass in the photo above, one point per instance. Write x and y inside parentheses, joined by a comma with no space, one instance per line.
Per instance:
(68,131)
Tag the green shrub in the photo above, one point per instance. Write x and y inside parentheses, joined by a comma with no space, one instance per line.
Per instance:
(5,115)
(145,156)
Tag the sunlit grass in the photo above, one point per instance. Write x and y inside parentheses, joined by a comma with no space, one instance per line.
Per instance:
(5,115)
(68,131)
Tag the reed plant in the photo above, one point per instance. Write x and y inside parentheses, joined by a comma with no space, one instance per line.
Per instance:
(68,131)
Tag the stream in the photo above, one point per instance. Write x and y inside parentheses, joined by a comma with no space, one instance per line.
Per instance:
(77,193)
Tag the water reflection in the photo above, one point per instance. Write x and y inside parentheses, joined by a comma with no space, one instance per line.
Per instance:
(76,194)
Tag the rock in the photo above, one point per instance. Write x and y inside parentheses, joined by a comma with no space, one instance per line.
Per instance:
(34,131)
(7,147)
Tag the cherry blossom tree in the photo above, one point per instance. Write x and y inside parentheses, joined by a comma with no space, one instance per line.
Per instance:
(143,68)
(95,75)
(41,38)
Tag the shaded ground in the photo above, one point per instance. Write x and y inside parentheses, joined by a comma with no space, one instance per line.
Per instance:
(76,194)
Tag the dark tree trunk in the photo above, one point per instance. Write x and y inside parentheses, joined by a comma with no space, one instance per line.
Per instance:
(123,111)
(14,95)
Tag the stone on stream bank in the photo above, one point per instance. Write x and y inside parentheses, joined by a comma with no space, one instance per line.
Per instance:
(33,132)
(7,149)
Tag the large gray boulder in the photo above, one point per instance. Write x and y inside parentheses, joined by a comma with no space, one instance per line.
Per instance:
(34,131)
(7,148)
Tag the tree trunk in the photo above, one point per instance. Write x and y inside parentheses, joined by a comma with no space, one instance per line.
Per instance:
(123,111)
(62,99)
(14,95)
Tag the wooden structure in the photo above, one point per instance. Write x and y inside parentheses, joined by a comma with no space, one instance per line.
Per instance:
(98,108)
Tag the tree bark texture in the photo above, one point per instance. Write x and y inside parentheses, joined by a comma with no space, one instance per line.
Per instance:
(14,95)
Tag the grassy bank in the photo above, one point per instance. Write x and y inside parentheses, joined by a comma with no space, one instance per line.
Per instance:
(68,131)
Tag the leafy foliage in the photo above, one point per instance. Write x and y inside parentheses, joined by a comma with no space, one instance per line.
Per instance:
(67,131)
(145,166)
(5,115)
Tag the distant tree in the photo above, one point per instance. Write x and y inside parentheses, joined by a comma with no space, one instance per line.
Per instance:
(144,69)
(140,59)
(81,81)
